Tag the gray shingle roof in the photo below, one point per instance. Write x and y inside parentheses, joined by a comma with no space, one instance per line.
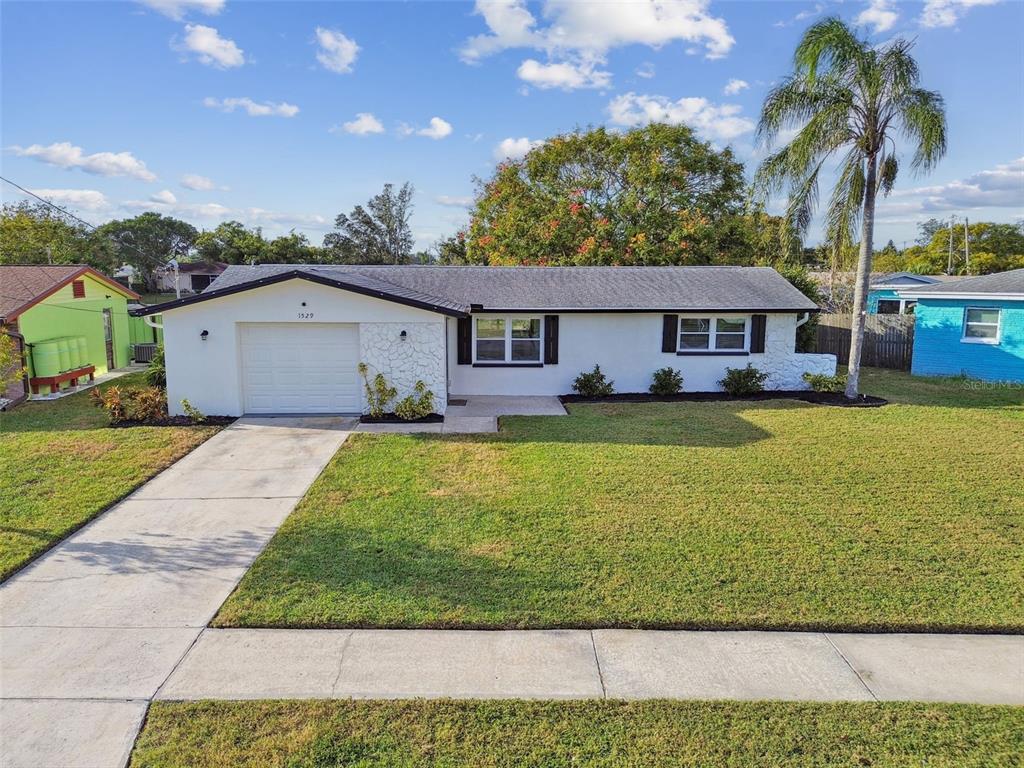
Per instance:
(1000,282)
(555,288)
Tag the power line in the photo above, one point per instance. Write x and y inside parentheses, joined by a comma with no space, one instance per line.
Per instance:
(68,213)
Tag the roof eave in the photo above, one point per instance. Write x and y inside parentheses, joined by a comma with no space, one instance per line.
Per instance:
(128,292)
(969,295)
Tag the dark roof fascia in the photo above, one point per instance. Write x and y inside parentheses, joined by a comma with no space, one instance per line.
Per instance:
(295,275)
(635,310)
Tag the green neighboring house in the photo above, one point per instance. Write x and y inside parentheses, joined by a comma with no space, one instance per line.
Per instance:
(42,303)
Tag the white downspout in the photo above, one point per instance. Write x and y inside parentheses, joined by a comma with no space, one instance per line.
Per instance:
(804,319)
(148,320)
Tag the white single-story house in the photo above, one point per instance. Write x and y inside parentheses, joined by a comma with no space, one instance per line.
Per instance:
(288,338)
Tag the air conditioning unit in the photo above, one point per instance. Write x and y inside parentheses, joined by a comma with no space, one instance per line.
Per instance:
(143,353)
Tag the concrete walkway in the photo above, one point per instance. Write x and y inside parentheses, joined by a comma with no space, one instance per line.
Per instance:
(90,631)
(607,663)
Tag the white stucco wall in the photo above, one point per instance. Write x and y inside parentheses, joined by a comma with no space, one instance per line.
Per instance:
(628,348)
(208,372)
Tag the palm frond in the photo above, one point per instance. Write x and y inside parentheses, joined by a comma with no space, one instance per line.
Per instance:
(844,208)
(923,117)
(828,44)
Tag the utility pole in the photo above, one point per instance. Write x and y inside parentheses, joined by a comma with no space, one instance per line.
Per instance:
(949,262)
(967,246)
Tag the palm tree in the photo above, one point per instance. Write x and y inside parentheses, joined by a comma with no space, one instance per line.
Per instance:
(846,96)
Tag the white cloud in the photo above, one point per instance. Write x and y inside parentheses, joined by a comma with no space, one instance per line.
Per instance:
(176,9)
(198,183)
(879,14)
(264,216)
(714,121)
(592,29)
(1000,187)
(164,196)
(578,35)
(734,86)
(946,13)
(515,149)
(563,75)
(437,129)
(182,210)
(337,52)
(65,155)
(252,108)
(211,48)
(365,123)
(454,201)
(83,199)
(645,70)
(802,15)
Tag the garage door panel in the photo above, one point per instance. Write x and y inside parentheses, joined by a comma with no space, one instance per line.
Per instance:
(300,368)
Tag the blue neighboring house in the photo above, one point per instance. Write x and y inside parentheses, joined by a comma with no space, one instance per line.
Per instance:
(883,292)
(972,326)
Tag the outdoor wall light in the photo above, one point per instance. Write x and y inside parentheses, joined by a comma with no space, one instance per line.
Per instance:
(204,335)
(404,335)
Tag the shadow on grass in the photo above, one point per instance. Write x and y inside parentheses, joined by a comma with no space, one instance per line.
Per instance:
(378,580)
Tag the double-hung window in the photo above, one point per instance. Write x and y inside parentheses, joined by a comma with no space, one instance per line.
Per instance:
(713,334)
(981,325)
(509,340)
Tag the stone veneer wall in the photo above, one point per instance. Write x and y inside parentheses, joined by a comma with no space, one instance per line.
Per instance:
(784,366)
(421,356)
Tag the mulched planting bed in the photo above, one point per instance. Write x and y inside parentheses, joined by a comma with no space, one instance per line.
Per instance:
(390,418)
(177,421)
(819,398)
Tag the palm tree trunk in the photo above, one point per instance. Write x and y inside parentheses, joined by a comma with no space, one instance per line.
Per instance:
(860,288)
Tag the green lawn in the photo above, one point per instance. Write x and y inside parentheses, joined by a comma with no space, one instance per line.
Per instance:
(318,734)
(61,465)
(704,515)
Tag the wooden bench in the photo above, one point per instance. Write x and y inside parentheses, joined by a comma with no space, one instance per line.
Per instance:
(54,382)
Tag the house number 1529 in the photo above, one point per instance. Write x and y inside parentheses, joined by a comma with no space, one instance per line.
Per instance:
(305,315)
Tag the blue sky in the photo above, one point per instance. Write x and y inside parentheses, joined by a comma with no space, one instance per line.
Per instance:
(282,115)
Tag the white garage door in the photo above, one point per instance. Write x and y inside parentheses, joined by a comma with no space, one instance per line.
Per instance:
(300,368)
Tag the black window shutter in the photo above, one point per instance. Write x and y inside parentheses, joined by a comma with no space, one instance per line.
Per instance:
(551,339)
(670,333)
(757,325)
(464,341)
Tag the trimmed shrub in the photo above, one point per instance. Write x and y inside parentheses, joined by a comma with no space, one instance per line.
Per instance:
(821,383)
(741,382)
(593,384)
(666,381)
(131,404)
(416,406)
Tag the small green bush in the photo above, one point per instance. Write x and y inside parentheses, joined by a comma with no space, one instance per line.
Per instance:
(156,373)
(666,381)
(378,394)
(416,406)
(593,384)
(821,383)
(741,382)
(197,416)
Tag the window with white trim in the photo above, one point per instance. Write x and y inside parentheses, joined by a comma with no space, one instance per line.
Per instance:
(981,325)
(512,339)
(713,334)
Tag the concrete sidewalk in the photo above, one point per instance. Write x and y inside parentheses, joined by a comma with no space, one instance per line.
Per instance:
(93,628)
(607,663)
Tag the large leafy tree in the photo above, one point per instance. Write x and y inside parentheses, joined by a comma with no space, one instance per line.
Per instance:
(377,234)
(35,233)
(848,97)
(653,195)
(150,240)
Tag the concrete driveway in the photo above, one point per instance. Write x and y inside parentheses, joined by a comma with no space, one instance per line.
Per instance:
(91,630)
